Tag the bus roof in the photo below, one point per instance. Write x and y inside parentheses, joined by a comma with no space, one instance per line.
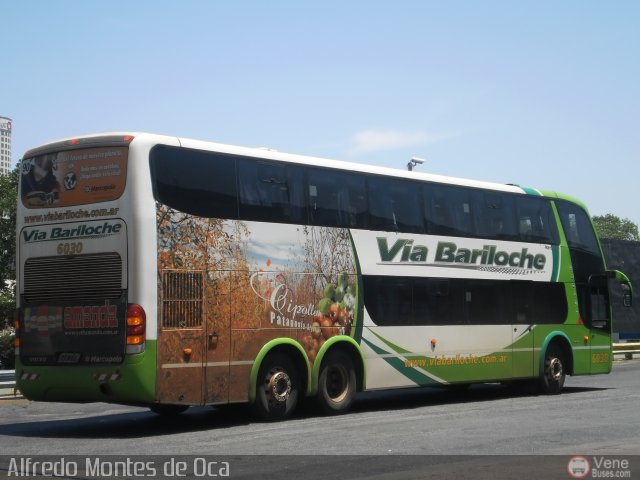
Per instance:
(270,154)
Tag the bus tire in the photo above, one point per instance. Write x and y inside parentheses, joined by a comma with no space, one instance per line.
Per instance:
(554,371)
(336,383)
(277,388)
(167,410)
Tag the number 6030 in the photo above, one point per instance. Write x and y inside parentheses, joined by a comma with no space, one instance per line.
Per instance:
(72,248)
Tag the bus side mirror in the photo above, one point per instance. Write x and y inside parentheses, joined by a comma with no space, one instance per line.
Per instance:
(625,283)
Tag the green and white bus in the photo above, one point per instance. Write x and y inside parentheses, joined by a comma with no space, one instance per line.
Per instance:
(170,272)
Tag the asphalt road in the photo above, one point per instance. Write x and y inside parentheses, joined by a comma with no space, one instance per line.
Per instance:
(597,416)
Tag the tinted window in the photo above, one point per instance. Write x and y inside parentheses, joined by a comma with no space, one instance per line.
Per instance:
(271,192)
(495,215)
(336,199)
(536,222)
(577,228)
(204,184)
(448,211)
(467,212)
(389,300)
(435,301)
(536,302)
(485,302)
(195,182)
(395,205)
(549,303)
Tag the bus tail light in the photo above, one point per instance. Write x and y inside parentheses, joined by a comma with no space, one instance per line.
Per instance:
(136,329)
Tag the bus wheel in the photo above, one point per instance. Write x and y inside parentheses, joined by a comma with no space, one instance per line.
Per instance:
(277,388)
(168,410)
(336,383)
(553,375)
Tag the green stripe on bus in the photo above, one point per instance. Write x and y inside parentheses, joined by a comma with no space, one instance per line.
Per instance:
(359,310)
(396,348)
(398,364)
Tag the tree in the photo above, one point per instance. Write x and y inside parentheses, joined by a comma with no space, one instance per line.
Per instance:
(613,227)
(8,202)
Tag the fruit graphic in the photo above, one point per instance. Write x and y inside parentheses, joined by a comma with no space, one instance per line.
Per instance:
(323,306)
(334,314)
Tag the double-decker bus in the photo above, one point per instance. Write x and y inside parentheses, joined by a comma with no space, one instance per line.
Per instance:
(170,272)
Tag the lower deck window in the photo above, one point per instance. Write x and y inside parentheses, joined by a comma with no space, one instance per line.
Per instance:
(392,301)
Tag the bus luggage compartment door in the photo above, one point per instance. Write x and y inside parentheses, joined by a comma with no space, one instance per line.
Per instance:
(181,338)
(520,312)
(217,342)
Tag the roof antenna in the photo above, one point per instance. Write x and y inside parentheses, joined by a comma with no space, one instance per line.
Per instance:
(415,161)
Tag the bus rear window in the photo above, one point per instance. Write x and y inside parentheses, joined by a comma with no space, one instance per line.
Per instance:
(74,177)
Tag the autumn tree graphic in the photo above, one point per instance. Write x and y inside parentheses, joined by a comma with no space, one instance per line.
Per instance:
(310,298)
(214,248)
(327,253)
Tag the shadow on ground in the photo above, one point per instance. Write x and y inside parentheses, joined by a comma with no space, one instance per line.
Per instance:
(140,424)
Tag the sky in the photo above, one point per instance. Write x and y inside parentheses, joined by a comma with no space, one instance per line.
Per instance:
(543,93)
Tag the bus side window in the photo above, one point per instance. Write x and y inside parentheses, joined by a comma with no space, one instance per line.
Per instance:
(195,182)
(484,303)
(495,215)
(433,302)
(395,205)
(270,192)
(448,211)
(323,198)
(535,220)
(520,302)
(577,228)
(336,199)
(389,300)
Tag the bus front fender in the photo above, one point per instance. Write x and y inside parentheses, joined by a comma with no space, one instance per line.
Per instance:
(565,342)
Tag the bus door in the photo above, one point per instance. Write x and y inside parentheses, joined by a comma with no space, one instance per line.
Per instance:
(599,322)
(181,338)
(521,314)
(217,340)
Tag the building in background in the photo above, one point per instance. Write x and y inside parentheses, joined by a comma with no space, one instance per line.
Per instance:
(5,145)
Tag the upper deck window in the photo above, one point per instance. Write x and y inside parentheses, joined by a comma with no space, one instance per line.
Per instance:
(577,228)
(218,185)
(271,192)
(195,182)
